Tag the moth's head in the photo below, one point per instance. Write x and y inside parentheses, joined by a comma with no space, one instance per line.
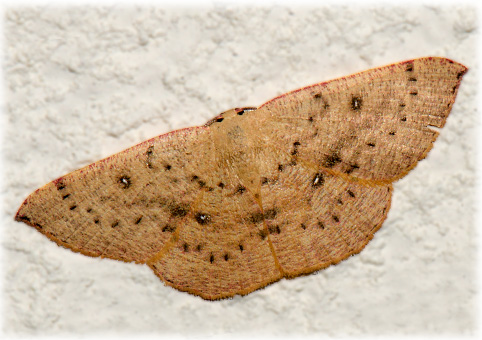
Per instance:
(230,114)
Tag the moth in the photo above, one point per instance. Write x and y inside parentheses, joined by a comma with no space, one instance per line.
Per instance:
(256,194)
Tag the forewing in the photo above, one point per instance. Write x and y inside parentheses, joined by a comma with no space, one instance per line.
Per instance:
(125,207)
(374,125)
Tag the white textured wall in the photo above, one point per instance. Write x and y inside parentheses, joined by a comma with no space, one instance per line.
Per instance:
(83,83)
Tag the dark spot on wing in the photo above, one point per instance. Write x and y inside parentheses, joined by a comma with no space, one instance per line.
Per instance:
(352,168)
(332,159)
(262,233)
(125,182)
(168,228)
(178,211)
(356,103)
(240,112)
(318,180)
(295,148)
(202,218)
(240,189)
(270,214)
(256,217)
(149,152)
(274,229)
(60,185)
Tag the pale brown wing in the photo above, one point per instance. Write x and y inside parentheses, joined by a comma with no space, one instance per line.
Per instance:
(127,206)
(222,248)
(175,202)
(374,125)
(315,218)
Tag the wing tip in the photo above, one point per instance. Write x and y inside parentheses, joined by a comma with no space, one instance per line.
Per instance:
(20,216)
(445,61)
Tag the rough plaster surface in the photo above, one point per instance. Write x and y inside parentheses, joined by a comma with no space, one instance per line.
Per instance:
(83,83)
